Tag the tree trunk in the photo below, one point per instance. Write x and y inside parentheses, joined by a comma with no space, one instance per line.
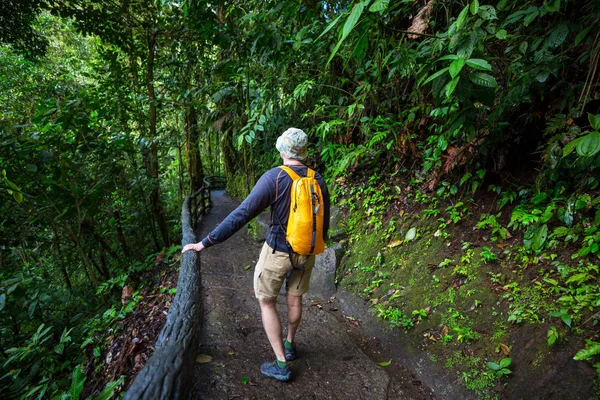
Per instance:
(120,234)
(194,161)
(61,261)
(153,167)
(141,123)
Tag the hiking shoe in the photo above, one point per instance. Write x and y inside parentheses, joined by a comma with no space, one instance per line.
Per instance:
(273,370)
(289,350)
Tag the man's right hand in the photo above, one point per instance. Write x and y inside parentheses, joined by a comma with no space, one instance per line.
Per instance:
(199,247)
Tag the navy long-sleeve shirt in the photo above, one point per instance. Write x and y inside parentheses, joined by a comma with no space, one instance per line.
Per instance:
(272,189)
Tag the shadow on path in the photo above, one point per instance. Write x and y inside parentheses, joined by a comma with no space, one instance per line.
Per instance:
(330,363)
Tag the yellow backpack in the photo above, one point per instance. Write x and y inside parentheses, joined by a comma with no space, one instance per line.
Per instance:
(305,225)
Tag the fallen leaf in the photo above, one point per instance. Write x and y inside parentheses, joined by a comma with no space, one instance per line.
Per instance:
(203,358)
(394,243)
(444,331)
(247,267)
(231,353)
(384,363)
(401,213)
(505,349)
(501,245)
(126,294)
(245,380)
(411,234)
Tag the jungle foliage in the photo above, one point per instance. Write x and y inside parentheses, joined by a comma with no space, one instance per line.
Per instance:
(112,111)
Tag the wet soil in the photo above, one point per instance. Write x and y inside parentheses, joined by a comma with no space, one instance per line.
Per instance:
(337,358)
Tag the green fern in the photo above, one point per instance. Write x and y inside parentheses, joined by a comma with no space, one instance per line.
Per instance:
(592,349)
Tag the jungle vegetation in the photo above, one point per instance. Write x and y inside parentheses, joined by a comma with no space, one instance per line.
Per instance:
(112,111)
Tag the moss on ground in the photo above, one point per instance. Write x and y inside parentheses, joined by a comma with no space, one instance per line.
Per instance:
(464,293)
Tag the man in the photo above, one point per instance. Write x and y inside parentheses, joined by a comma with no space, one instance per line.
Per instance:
(274,265)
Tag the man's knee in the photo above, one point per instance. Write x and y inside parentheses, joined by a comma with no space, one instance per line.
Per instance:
(267,302)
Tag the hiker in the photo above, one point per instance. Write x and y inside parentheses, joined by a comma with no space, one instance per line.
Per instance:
(277,262)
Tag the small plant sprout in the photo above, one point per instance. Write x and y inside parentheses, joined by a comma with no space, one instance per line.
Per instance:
(552,336)
(487,255)
(500,369)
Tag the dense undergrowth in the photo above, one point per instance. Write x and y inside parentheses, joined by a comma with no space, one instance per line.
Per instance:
(464,274)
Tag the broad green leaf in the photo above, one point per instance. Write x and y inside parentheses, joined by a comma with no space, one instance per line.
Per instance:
(501,34)
(18,196)
(505,362)
(566,318)
(581,35)
(467,47)
(31,167)
(349,25)
(462,17)
(109,390)
(474,7)
(384,363)
(558,35)
(569,147)
(529,19)
(330,26)
(447,57)
(478,63)
(523,47)
(589,145)
(535,237)
(456,66)
(542,76)
(436,75)
(449,89)
(552,5)
(59,348)
(379,5)
(31,309)
(487,13)
(594,121)
(492,365)
(501,4)
(485,80)
(410,235)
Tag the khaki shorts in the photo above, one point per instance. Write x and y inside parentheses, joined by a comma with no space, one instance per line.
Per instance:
(272,268)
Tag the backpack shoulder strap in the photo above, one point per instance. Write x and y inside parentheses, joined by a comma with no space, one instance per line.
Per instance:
(290,172)
(310,173)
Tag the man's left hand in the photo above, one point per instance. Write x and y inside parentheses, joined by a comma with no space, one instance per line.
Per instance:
(199,247)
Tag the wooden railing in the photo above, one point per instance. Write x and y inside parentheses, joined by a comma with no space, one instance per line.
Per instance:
(200,200)
(167,373)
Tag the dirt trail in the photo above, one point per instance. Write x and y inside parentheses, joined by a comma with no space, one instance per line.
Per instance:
(332,358)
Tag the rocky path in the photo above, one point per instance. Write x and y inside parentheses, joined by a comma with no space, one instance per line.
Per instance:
(334,360)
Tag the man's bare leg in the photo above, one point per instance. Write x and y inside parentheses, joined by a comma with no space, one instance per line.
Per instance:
(294,304)
(272,326)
